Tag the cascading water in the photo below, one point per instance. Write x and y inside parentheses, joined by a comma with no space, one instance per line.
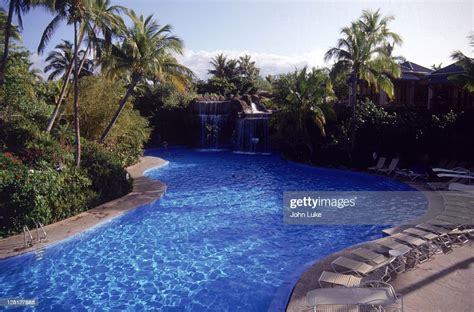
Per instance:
(252,134)
(220,123)
(212,120)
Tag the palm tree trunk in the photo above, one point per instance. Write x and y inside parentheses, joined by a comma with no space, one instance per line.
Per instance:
(52,119)
(6,47)
(84,57)
(122,104)
(76,93)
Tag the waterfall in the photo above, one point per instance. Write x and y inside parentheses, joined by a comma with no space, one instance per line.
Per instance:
(212,117)
(252,135)
(218,124)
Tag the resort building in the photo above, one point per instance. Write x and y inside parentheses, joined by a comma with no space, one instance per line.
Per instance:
(423,88)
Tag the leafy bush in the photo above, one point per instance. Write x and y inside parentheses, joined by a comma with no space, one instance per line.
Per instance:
(98,100)
(40,195)
(109,180)
(22,97)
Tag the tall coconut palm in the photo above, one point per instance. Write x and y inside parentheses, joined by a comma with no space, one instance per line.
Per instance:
(362,52)
(145,53)
(219,64)
(98,16)
(73,12)
(15,7)
(59,60)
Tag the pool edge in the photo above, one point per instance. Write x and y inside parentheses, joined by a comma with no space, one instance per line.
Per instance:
(145,191)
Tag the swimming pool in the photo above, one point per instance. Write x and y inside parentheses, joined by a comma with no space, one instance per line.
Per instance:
(215,242)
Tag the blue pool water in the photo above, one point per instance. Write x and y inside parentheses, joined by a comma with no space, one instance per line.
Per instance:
(215,242)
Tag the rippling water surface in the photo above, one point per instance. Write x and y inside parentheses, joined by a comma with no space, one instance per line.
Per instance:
(215,242)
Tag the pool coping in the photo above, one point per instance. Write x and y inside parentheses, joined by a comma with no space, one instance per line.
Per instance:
(434,207)
(145,191)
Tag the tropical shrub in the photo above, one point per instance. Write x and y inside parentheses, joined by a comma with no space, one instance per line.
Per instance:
(99,99)
(104,168)
(372,126)
(40,195)
(23,94)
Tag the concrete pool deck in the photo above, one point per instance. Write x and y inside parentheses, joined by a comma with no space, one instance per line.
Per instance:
(444,283)
(145,191)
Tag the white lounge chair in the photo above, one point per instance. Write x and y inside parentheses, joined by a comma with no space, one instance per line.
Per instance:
(354,298)
(369,255)
(457,170)
(407,173)
(362,269)
(446,230)
(379,164)
(443,244)
(460,187)
(338,279)
(423,247)
(391,167)
(406,255)
(461,175)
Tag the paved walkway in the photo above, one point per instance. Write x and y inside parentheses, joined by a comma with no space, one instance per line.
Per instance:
(144,191)
(445,283)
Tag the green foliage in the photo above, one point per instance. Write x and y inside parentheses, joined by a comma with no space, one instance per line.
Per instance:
(444,121)
(373,117)
(232,76)
(153,97)
(23,95)
(40,195)
(464,80)
(308,96)
(40,183)
(38,179)
(217,85)
(365,51)
(105,169)
(99,98)
(262,85)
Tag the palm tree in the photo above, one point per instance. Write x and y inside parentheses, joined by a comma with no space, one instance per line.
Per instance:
(363,53)
(75,13)
(145,53)
(17,7)
(247,68)
(310,95)
(60,60)
(219,62)
(98,17)
(466,79)
(14,32)
(103,18)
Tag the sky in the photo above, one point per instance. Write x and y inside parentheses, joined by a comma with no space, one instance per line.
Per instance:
(282,35)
